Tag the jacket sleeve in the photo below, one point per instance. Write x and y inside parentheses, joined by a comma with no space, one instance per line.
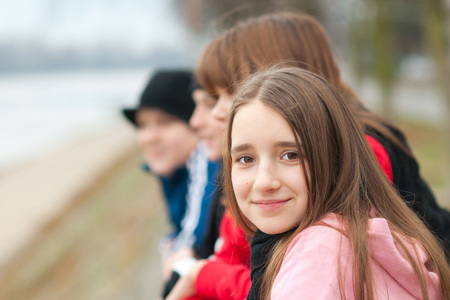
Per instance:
(227,274)
(220,280)
(382,156)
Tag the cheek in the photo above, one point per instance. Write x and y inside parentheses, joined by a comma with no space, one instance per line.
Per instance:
(168,143)
(179,137)
(296,179)
(199,118)
(227,102)
(139,139)
(150,143)
(241,185)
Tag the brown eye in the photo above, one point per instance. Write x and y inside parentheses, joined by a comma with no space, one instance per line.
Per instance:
(290,156)
(246,160)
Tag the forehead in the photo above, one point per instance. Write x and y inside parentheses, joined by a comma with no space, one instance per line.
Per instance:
(151,112)
(258,121)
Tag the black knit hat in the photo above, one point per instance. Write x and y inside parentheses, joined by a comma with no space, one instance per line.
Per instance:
(168,91)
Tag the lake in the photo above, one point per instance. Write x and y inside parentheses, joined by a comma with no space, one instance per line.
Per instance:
(41,112)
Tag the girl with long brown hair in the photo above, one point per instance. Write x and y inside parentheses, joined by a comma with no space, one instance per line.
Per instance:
(297,165)
(289,39)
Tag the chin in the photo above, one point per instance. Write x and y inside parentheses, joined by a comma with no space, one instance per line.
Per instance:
(273,230)
(161,171)
(268,230)
(214,156)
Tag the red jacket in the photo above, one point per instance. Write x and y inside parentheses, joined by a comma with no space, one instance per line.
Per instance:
(227,275)
(382,156)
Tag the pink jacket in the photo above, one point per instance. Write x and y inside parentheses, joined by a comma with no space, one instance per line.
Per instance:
(310,266)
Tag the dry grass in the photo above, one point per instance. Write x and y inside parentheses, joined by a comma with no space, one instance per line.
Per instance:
(428,145)
(102,248)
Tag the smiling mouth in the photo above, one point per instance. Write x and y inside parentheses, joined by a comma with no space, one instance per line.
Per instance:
(155,154)
(270,204)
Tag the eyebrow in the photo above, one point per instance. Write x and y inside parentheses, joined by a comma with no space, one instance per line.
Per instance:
(245,147)
(286,144)
(240,148)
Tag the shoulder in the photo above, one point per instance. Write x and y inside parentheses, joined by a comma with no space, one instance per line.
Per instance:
(231,230)
(313,260)
(320,238)
(321,244)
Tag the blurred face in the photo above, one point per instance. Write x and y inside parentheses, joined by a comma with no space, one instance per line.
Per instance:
(223,105)
(207,127)
(166,141)
(266,174)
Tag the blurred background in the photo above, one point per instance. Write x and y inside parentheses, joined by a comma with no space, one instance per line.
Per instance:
(78,217)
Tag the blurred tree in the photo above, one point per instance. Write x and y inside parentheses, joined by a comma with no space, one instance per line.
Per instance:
(382,33)
(360,41)
(384,55)
(437,35)
(206,17)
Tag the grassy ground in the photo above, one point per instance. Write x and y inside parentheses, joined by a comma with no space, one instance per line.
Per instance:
(428,145)
(104,247)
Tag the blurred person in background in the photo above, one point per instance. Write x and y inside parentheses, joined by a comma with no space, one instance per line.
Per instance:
(172,152)
(226,274)
(210,133)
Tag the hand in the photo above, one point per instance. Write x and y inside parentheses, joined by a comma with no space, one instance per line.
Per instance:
(185,287)
(168,261)
(182,254)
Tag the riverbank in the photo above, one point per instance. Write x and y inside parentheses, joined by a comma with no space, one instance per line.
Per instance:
(34,194)
(82,223)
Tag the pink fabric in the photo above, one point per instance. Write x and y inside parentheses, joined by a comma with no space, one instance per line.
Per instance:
(311,265)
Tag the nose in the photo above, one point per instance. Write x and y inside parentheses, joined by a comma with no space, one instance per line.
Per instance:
(222,108)
(266,180)
(148,135)
(197,119)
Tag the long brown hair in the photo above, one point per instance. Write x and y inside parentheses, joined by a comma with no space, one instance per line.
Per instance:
(286,39)
(344,175)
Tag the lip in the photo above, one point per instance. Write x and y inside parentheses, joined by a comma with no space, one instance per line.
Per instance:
(270,204)
(155,154)
(202,134)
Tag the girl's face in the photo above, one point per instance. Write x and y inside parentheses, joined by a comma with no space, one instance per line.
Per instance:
(266,172)
(208,128)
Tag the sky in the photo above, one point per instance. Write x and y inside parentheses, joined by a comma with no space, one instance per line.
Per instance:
(140,24)
(136,26)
